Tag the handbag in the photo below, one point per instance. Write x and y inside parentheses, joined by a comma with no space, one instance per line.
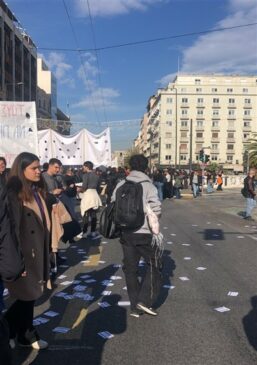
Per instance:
(107,226)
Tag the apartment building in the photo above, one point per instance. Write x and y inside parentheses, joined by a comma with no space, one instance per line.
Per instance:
(18,59)
(214,112)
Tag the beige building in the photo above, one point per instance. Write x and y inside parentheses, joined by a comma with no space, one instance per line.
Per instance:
(214,112)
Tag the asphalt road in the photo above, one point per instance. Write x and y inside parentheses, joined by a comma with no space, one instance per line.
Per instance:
(210,261)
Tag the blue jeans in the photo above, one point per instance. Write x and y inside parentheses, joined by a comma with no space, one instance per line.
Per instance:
(177,192)
(2,306)
(250,204)
(195,190)
(159,186)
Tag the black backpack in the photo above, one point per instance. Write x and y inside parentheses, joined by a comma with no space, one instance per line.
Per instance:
(129,211)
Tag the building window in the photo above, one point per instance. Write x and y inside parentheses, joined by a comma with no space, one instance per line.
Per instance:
(214,90)
(199,123)
(183,134)
(230,135)
(229,158)
(199,112)
(183,90)
(184,111)
(198,147)
(168,146)
(200,100)
(197,81)
(216,101)
(214,146)
(214,158)
(231,124)
(229,90)
(230,147)
(215,123)
(183,157)
(183,146)
(247,101)
(184,100)
(198,89)
(169,123)
(183,123)
(215,112)
(246,135)
(169,100)
(247,112)
(231,112)
(168,157)
(245,91)
(199,135)
(168,134)
(215,135)
(247,124)
(169,111)
(231,101)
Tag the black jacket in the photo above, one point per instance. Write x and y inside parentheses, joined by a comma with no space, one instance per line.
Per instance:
(249,187)
(11,260)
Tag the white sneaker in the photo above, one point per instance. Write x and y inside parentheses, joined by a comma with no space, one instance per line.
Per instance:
(12,343)
(39,345)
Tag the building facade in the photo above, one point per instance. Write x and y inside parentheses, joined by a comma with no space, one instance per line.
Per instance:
(217,113)
(18,59)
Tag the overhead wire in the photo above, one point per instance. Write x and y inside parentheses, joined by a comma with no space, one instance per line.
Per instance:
(81,59)
(97,59)
(149,40)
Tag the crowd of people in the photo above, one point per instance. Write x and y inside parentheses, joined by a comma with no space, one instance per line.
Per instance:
(38,211)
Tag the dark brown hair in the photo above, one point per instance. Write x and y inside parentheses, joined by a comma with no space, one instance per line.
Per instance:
(17,180)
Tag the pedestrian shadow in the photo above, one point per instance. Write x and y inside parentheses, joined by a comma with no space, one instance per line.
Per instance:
(69,310)
(168,268)
(99,326)
(250,324)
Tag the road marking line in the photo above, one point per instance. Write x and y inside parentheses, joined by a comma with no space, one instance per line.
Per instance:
(81,317)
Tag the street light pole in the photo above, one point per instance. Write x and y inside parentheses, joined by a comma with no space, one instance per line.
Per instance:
(176,127)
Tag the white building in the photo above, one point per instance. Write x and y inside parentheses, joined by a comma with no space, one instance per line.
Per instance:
(214,112)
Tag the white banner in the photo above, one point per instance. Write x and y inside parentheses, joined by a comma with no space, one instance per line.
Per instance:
(18,129)
(75,150)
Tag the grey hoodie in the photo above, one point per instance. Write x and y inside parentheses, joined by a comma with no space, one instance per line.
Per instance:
(150,196)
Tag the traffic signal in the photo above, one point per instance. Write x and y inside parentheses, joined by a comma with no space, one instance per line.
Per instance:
(206,158)
(201,157)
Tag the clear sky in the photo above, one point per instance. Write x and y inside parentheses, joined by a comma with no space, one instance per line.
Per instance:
(115,84)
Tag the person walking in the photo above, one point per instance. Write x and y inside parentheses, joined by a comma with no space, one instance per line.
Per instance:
(219,182)
(158,180)
(90,201)
(195,184)
(138,243)
(249,193)
(32,225)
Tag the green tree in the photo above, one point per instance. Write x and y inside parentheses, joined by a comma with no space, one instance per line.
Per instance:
(251,148)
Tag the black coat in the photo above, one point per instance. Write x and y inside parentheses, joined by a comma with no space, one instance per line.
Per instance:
(11,260)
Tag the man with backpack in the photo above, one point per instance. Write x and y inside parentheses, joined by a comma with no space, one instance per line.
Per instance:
(131,197)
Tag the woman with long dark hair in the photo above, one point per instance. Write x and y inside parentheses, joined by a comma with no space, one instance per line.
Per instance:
(32,225)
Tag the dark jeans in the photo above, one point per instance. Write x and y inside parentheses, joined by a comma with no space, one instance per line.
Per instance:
(135,246)
(2,306)
(20,321)
(5,350)
(219,187)
(90,215)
